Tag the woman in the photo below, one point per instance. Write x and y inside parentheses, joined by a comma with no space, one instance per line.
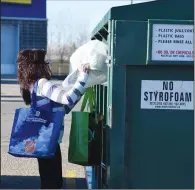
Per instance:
(32,68)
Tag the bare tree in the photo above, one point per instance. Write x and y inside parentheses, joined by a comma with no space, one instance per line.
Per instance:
(50,47)
(64,39)
(65,48)
(70,48)
(61,49)
(82,36)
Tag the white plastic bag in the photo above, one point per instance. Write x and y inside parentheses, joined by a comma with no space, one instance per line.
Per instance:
(95,53)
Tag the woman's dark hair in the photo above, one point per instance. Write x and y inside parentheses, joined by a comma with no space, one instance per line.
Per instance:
(31,67)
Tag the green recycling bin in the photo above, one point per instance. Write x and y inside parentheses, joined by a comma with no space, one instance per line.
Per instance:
(147,103)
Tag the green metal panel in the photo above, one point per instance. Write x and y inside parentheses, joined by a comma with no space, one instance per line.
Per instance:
(124,167)
(105,102)
(159,9)
(148,148)
(155,10)
(102,173)
(159,144)
(123,50)
(116,115)
(97,97)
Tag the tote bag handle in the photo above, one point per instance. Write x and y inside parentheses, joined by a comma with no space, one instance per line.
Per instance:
(34,95)
(34,99)
(89,99)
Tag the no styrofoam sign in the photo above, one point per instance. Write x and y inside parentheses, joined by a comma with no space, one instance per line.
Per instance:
(156,94)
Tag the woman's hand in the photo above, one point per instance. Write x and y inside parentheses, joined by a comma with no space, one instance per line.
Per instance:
(84,68)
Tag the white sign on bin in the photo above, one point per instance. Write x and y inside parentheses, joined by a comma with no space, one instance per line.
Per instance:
(172,42)
(175,95)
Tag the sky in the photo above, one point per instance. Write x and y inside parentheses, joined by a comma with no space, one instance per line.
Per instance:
(70,18)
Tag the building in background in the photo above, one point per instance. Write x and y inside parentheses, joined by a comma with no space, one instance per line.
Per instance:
(23,25)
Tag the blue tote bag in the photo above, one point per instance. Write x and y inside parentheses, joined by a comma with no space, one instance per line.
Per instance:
(36,130)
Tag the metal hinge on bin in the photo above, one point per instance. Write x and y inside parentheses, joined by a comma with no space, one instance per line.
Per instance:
(108,60)
(103,165)
(110,115)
